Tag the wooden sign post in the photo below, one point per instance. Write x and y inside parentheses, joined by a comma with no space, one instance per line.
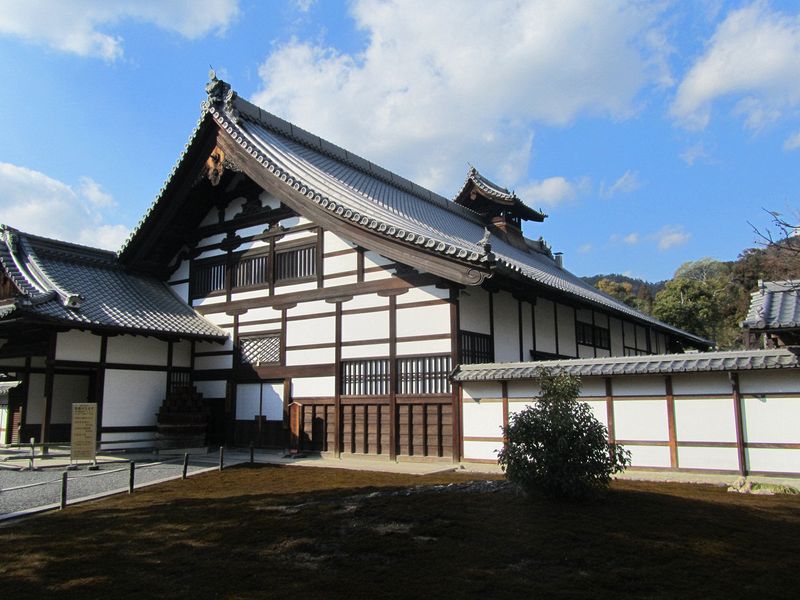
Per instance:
(83,444)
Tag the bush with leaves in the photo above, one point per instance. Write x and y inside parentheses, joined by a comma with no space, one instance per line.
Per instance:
(557,447)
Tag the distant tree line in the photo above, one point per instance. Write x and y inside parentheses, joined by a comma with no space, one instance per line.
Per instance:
(708,297)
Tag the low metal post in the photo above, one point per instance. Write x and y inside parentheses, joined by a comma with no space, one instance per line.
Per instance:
(185,464)
(131,477)
(33,452)
(64,490)
(221,457)
(252,453)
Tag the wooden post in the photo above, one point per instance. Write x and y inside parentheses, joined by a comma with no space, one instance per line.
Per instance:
(393,421)
(48,393)
(612,439)
(131,477)
(63,490)
(185,465)
(337,401)
(504,387)
(673,440)
(252,453)
(737,412)
(455,357)
(221,457)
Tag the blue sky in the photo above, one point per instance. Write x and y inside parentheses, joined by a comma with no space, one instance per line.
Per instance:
(652,133)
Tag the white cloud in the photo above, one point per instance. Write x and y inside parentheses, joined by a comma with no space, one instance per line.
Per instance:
(304,5)
(694,153)
(755,52)
(424,99)
(627,183)
(585,248)
(631,239)
(670,236)
(82,26)
(792,142)
(35,203)
(552,191)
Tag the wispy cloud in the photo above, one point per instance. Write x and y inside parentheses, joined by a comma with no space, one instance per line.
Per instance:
(631,239)
(552,191)
(627,183)
(670,236)
(33,202)
(792,142)
(695,153)
(83,27)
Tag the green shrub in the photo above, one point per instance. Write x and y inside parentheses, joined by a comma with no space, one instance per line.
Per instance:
(557,447)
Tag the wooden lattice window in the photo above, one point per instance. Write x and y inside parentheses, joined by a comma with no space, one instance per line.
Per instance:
(475,348)
(261,350)
(251,271)
(584,332)
(297,263)
(369,377)
(208,277)
(423,375)
(602,337)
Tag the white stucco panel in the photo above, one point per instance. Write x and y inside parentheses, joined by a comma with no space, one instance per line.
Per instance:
(566,330)
(776,382)
(254,399)
(204,363)
(340,264)
(690,384)
(365,326)
(483,418)
(544,314)
(482,450)
(35,408)
(132,397)
(423,320)
(711,420)
(775,420)
(317,356)
(641,420)
(365,351)
(211,389)
(334,243)
(777,460)
(649,456)
(182,354)
(78,345)
(473,305)
(313,386)
(506,328)
(708,458)
(66,390)
(441,346)
(136,350)
(310,331)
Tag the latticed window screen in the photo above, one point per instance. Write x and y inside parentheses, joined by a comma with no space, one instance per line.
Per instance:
(584,333)
(476,348)
(365,377)
(252,270)
(296,264)
(423,375)
(263,350)
(207,278)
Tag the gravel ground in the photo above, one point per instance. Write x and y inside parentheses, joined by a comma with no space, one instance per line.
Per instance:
(82,482)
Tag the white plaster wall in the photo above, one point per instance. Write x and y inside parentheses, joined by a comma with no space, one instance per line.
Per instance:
(473,304)
(268,200)
(593,386)
(182,354)
(234,208)
(639,386)
(515,406)
(253,244)
(334,243)
(482,450)
(776,382)
(251,231)
(522,389)
(711,420)
(220,319)
(649,456)
(254,399)
(366,351)
(373,259)
(211,218)
(310,331)
(365,301)
(78,345)
(778,460)
(506,328)
(701,383)
(136,350)
(296,235)
(365,326)
(66,390)
(545,326)
(203,363)
(35,408)
(772,419)
(210,253)
(181,272)
(297,287)
(132,397)
(310,308)
(527,332)
(481,389)
(213,346)
(181,290)
(629,333)
(421,348)
(375,275)
(566,330)
(211,389)
(254,329)
(423,294)
(341,280)
(340,264)
(209,301)
(641,420)
(250,294)
(260,314)
(708,458)
(313,386)
(310,357)
(599,410)
(483,419)
(211,240)
(424,320)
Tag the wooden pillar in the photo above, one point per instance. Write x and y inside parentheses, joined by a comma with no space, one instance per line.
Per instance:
(504,387)
(393,420)
(170,351)
(519,326)
(737,412)
(100,385)
(612,437)
(49,377)
(673,440)
(337,402)
(455,356)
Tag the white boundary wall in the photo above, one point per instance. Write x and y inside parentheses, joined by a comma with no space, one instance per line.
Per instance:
(696,428)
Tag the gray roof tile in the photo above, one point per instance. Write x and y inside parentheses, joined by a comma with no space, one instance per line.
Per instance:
(775,305)
(740,360)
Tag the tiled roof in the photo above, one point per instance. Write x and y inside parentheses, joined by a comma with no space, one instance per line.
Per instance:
(371,197)
(775,305)
(86,287)
(744,360)
(497,193)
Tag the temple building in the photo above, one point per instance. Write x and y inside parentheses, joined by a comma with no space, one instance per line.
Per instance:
(282,290)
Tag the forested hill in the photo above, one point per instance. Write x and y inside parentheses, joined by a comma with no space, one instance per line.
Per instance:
(634,282)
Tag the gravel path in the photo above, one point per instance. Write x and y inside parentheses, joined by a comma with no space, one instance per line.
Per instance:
(18,489)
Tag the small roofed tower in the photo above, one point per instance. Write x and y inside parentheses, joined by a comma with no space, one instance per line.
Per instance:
(502,211)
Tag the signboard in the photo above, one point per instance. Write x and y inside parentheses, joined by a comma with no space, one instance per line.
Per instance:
(84,431)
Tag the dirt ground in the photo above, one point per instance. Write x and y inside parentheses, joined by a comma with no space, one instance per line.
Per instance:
(282,532)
